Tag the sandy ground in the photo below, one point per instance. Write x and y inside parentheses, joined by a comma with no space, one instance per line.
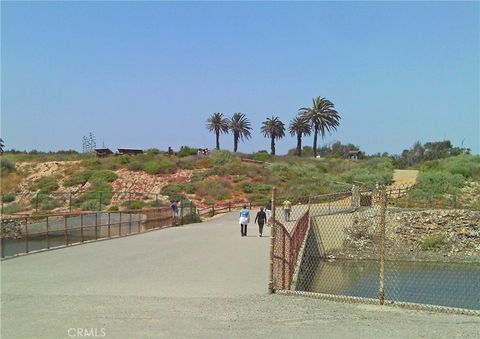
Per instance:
(404,177)
(200,280)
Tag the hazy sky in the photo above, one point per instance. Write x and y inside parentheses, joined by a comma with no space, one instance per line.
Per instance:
(149,74)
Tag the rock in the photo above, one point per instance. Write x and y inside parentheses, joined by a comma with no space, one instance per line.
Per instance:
(473,234)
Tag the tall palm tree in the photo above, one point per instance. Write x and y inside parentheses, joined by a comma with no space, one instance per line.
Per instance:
(274,129)
(240,127)
(322,117)
(299,127)
(219,124)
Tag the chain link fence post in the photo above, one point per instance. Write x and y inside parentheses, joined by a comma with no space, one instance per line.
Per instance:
(181,210)
(272,242)
(381,285)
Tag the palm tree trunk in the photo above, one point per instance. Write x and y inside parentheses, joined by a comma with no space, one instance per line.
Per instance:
(235,142)
(299,144)
(272,146)
(217,135)
(315,133)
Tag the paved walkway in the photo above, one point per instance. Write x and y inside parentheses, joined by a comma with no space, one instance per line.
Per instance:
(201,280)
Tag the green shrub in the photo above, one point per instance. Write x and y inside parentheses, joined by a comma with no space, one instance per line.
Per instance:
(134,204)
(218,189)
(100,191)
(190,187)
(81,178)
(103,175)
(124,159)
(193,162)
(369,172)
(78,178)
(6,165)
(46,184)
(159,166)
(261,156)
(186,151)
(135,166)
(153,151)
(171,189)
(12,208)
(247,187)
(44,202)
(94,163)
(466,165)
(220,157)
(113,208)
(49,204)
(8,197)
(90,205)
(199,176)
(175,191)
(258,198)
(435,184)
(433,241)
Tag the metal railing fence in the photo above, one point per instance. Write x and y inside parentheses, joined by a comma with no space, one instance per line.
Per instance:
(22,235)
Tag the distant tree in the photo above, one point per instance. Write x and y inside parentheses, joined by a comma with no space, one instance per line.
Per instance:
(299,127)
(240,127)
(322,117)
(274,129)
(219,124)
(339,150)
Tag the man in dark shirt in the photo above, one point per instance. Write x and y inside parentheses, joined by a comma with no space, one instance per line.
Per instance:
(260,219)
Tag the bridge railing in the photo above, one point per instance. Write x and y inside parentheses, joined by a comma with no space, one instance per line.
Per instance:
(27,234)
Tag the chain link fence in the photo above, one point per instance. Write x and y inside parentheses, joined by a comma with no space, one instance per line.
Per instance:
(358,246)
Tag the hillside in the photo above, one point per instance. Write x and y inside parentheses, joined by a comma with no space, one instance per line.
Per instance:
(132,182)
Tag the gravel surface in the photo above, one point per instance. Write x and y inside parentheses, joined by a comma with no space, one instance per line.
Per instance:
(201,280)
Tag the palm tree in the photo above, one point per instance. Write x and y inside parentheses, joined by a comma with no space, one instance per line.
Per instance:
(218,123)
(274,129)
(2,145)
(240,127)
(299,127)
(322,117)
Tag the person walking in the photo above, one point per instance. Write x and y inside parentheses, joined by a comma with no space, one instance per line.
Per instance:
(174,207)
(287,208)
(244,220)
(268,210)
(260,219)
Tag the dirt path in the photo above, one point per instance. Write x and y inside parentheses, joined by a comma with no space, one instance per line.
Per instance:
(404,177)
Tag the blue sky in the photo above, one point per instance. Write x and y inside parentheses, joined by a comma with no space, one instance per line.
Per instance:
(149,74)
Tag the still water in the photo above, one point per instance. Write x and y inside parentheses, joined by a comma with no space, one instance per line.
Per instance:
(445,284)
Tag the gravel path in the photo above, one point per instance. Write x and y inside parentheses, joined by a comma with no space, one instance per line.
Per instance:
(200,280)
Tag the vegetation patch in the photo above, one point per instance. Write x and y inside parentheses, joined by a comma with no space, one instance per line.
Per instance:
(220,157)
(433,241)
(6,165)
(215,189)
(12,208)
(134,204)
(8,197)
(46,185)
(44,202)
(159,166)
(186,151)
(434,184)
